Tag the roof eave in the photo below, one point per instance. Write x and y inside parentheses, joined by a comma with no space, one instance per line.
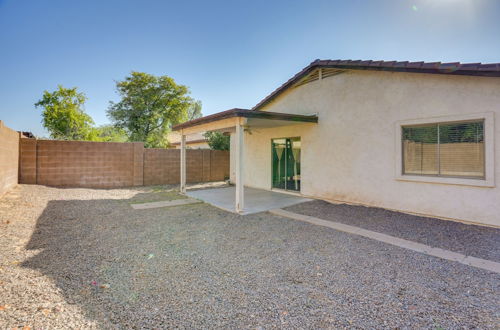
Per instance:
(467,69)
(245,113)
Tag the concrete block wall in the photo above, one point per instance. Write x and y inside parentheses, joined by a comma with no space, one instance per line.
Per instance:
(111,165)
(138,164)
(162,166)
(27,161)
(9,158)
(219,165)
(81,163)
(194,165)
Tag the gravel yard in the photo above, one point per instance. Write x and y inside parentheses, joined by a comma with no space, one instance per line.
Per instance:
(477,241)
(83,258)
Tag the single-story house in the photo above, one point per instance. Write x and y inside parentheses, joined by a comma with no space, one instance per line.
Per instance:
(193,141)
(409,136)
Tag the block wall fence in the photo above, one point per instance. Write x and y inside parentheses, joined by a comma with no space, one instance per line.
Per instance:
(9,158)
(113,164)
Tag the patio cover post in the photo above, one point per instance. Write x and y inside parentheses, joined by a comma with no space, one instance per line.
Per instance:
(239,200)
(183,162)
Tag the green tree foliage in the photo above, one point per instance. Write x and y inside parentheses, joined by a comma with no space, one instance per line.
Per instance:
(217,140)
(109,133)
(194,110)
(63,114)
(149,106)
(448,133)
(462,132)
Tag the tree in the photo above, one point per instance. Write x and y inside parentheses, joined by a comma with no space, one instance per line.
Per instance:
(63,114)
(149,106)
(217,140)
(194,110)
(110,133)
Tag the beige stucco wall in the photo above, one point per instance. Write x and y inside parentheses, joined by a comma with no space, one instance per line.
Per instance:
(192,140)
(350,154)
(194,145)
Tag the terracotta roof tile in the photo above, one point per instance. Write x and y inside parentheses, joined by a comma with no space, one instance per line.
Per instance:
(414,65)
(489,67)
(430,65)
(354,62)
(470,66)
(401,64)
(388,64)
(449,66)
(365,63)
(331,62)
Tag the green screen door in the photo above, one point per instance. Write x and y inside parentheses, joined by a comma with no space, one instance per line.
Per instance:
(286,163)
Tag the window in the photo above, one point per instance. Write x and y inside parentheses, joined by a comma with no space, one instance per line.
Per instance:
(453,149)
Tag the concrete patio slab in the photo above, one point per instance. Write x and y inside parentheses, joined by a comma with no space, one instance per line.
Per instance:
(256,200)
(175,202)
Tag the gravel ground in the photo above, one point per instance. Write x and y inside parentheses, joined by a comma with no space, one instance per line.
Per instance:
(478,241)
(83,258)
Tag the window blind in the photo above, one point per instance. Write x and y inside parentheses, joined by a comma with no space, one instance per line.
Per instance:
(444,149)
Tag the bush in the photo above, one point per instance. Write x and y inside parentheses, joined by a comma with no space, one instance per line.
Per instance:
(217,140)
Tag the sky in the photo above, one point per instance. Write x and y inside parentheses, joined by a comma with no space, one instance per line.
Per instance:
(230,53)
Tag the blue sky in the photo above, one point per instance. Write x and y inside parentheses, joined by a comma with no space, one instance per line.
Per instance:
(230,53)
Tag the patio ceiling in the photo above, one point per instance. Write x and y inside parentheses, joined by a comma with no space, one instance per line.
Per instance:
(228,120)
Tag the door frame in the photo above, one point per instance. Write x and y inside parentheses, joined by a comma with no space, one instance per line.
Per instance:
(288,191)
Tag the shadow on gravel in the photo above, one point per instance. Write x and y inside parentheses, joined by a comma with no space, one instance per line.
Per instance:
(105,257)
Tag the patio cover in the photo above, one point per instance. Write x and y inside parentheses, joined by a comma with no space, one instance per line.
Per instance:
(236,121)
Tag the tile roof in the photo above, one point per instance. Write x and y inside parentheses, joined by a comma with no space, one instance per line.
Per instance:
(454,68)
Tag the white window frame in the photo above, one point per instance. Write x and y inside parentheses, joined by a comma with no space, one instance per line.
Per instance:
(489,150)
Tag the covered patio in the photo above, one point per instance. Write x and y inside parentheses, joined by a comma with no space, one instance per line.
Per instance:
(256,200)
(235,122)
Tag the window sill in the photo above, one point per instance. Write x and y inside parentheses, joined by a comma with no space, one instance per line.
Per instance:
(444,180)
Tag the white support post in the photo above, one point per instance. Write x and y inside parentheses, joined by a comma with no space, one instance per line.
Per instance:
(183,163)
(239,201)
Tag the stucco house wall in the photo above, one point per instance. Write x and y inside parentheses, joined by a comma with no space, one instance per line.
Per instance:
(350,155)
(193,141)
(194,145)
